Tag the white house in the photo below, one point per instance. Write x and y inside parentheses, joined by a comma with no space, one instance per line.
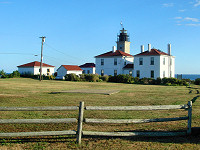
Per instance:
(34,68)
(114,62)
(88,68)
(154,63)
(68,69)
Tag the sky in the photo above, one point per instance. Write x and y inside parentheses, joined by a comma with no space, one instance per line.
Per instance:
(78,30)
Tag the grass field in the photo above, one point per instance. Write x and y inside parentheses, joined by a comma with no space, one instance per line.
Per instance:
(29,92)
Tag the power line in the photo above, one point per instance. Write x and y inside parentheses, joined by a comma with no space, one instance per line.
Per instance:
(63,52)
(18,54)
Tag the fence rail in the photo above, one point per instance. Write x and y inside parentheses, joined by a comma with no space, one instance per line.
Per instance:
(46,108)
(125,108)
(81,119)
(87,120)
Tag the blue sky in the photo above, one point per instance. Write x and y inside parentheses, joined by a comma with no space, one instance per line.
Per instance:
(78,30)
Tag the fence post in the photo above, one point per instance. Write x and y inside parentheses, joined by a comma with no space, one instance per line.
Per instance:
(189,117)
(80,123)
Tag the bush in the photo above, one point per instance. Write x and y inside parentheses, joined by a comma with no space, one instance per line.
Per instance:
(82,77)
(137,80)
(197,81)
(121,78)
(104,78)
(3,74)
(72,77)
(158,81)
(15,74)
(92,77)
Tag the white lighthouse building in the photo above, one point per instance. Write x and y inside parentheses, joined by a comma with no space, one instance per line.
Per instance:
(152,63)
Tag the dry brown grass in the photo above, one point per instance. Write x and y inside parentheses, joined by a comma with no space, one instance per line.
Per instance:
(29,92)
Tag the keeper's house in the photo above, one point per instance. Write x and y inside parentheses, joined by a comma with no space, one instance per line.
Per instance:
(152,63)
(33,68)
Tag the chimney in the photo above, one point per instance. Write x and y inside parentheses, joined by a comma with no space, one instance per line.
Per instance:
(169,49)
(113,49)
(149,47)
(142,48)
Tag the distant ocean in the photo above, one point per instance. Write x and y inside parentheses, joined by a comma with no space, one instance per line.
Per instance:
(189,76)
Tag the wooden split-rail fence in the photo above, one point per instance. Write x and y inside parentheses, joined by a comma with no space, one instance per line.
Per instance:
(81,119)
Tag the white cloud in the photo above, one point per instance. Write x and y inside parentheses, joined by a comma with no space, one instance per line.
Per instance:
(197,3)
(5,2)
(193,24)
(191,19)
(168,5)
(178,18)
(182,10)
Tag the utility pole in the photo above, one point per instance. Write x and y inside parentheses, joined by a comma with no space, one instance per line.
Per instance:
(43,40)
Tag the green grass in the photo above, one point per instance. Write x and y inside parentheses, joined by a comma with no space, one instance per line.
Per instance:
(28,92)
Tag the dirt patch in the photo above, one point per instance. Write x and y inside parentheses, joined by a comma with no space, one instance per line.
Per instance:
(90,91)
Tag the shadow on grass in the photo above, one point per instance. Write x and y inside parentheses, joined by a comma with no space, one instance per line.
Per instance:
(192,139)
(195,98)
(37,139)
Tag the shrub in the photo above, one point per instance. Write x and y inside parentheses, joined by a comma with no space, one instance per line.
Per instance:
(121,78)
(112,79)
(197,81)
(91,77)
(137,80)
(158,81)
(3,74)
(104,78)
(72,77)
(82,77)
(15,74)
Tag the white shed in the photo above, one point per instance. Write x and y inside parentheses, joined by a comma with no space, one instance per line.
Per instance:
(68,69)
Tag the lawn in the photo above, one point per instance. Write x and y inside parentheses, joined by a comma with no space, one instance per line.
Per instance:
(29,92)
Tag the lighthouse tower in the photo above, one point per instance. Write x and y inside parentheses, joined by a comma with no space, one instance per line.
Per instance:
(123,42)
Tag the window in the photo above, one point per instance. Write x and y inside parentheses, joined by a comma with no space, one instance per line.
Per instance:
(48,74)
(170,61)
(115,72)
(48,70)
(163,74)
(152,73)
(130,72)
(138,73)
(88,72)
(83,71)
(163,61)
(102,62)
(120,47)
(39,70)
(152,61)
(140,61)
(102,72)
(115,61)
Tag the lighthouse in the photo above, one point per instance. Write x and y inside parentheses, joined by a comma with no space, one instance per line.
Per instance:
(123,41)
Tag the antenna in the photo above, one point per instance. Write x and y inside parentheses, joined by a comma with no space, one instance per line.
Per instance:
(121,24)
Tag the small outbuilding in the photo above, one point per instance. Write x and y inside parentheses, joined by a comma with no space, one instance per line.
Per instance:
(33,68)
(68,69)
(88,68)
